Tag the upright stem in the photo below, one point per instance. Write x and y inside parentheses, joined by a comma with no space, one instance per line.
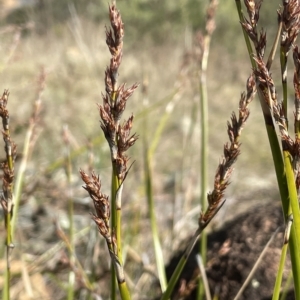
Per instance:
(204,148)
(6,199)
(284,174)
(20,177)
(148,154)
(154,230)
(68,167)
(175,276)
(205,45)
(114,188)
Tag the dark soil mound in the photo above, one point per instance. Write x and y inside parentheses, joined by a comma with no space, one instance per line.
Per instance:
(233,251)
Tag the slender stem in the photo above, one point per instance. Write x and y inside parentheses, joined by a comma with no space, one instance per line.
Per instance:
(6,289)
(71,222)
(204,148)
(148,154)
(296,222)
(116,212)
(276,291)
(7,200)
(171,285)
(124,291)
(114,186)
(204,277)
(292,190)
(274,47)
(116,195)
(285,198)
(285,180)
(247,40)
(20,178)
(277,286)
(209,29)
(287,286)
(154,230)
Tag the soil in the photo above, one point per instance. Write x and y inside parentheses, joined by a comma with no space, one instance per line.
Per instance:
(232,253)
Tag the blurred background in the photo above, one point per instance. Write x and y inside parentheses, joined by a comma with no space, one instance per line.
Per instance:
(65,41)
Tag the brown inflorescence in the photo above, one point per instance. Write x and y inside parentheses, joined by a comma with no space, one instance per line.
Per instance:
(8,165)
(296,160)
(114,101)
(117,135)
(253,8)
(250,27)
(231,152)
(100,200)
(267,86)
(296,56)
(290,23)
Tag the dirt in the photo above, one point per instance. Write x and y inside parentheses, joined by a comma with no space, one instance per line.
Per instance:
(232,253)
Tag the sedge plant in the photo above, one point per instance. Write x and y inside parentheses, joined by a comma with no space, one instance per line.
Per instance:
(108,212)
(284,151)
(119,138)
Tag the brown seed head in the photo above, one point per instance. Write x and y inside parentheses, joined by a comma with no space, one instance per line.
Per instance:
(93,187)
(210,17)
(290,23)
(253,8)
(4,114)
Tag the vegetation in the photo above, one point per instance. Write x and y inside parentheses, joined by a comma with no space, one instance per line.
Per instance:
(53,60)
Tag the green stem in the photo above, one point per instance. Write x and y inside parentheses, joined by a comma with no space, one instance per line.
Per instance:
(204,149)
(285,184)
(148,154)
(6,288)
(116,213)
(287,286)
(171,285)
(285,200)
(125,295)
(277,287)
(116,228)
(71,228)
(19,181)
(114,187)
(155,237)
(296,222)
